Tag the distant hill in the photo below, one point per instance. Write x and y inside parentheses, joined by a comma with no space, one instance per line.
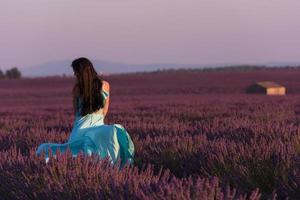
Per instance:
(63,67)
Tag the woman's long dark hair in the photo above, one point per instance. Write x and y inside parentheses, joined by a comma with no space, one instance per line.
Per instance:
(89,85)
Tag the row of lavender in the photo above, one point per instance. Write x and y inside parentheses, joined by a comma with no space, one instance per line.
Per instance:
(197,144)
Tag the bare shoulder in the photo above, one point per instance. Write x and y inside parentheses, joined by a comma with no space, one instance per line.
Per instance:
(105,85)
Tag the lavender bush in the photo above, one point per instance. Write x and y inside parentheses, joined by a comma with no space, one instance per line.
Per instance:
(197,136)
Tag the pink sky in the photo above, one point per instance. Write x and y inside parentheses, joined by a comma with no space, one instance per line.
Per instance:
(148,31)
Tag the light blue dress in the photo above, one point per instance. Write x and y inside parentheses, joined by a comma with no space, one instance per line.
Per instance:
(91,136)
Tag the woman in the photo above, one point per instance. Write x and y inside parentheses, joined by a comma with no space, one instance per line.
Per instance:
(89,134)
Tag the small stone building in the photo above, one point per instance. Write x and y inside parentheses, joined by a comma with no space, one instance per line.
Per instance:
(267,87)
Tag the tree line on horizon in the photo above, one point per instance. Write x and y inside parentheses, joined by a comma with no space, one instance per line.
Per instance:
(12,73)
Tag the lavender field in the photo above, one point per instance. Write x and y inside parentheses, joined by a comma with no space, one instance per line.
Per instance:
(197,135)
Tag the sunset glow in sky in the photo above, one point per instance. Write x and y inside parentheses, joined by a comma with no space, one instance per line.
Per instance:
(149,31)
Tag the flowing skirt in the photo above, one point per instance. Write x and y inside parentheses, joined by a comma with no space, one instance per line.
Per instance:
(91,135)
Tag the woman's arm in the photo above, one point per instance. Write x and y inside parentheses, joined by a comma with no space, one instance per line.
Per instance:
(106,88)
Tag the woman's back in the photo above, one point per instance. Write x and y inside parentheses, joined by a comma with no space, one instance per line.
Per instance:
(105,92)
